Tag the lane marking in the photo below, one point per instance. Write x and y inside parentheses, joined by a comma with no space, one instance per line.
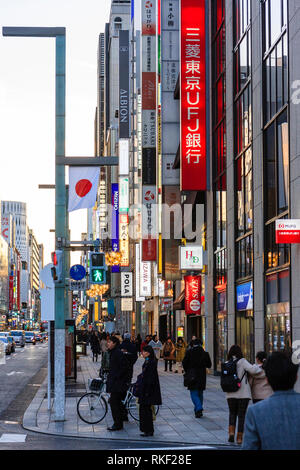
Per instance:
(13,438)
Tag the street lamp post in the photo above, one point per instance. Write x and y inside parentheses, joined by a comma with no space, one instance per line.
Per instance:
(61,304)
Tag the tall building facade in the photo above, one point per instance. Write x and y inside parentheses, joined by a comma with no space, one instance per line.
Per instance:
(214,113)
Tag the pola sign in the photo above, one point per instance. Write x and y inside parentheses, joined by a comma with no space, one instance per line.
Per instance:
(126,284)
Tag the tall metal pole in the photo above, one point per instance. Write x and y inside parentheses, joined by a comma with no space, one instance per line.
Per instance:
(61,301)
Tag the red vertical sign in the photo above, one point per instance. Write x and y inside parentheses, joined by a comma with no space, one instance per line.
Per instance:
(11,292)
(192,295)
(193,96)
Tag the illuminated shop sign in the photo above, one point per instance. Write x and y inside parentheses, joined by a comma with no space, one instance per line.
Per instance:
(193,96)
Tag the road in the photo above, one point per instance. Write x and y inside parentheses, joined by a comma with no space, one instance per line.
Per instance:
(20,377)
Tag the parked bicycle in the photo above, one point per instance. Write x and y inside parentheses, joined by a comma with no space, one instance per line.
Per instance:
(92,407)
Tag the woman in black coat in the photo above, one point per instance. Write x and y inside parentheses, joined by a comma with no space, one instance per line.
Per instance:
(194,363)
(148,391)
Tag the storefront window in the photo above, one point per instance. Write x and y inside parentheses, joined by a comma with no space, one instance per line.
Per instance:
(221,330)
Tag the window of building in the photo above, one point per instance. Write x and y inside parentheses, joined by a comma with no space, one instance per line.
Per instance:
(274,21)
(276,158)
(219,136)
(117,24)
(243,138)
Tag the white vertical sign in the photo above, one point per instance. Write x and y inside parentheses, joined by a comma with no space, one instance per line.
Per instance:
(145,278)
(138,296)
(126,284)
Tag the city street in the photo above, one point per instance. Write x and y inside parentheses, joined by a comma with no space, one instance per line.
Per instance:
(29,366)
(150,206)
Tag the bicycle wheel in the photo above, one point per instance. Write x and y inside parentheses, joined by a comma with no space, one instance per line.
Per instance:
(92,408)
(133,408)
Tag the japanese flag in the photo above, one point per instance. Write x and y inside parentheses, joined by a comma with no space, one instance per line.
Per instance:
(83,185)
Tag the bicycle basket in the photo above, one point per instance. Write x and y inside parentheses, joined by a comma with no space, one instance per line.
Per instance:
(95,385)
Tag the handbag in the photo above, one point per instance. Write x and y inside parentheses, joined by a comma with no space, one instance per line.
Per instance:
(190,378)
(136,389)
(167,353)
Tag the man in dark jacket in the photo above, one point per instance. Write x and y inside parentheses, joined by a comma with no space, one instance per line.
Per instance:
(117,382)
(129,349)
(194,363)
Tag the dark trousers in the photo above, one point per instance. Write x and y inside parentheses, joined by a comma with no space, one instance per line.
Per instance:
(237,409)
(170,364)
(118,410)
(146,421)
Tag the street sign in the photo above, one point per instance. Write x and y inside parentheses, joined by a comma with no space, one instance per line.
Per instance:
(77,272)
(191,257)
(77,285)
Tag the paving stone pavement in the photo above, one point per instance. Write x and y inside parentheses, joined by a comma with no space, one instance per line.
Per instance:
(174,423)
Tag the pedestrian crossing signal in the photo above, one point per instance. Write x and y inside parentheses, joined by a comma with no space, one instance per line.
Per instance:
(97,268)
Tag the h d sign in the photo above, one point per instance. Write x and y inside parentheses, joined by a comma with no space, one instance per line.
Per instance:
(126,284)
(287,231)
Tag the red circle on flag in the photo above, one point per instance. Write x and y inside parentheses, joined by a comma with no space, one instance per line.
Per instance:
(83,187)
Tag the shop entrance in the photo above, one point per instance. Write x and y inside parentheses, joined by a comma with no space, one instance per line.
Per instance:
(245,333)
(163,327)
(278,328)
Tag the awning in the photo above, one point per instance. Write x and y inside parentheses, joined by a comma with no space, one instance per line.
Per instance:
(179,302)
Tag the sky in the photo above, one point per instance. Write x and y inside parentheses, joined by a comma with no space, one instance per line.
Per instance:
(27,104)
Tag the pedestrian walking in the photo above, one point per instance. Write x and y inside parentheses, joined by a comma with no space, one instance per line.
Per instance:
(149,393)
(260,387)
(157,346)
(195,363)
(138,342)
(180,353)
(235,371)
(168,353)
(117,383)
(145,342)
(274,423)
(95,345)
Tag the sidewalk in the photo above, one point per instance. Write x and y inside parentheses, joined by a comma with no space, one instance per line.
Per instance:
(175,421)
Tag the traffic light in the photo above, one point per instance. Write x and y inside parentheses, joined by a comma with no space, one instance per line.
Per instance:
(57,269)
(97,268)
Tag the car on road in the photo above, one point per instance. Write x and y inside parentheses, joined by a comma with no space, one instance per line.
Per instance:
(12,342)
(19,337)
(38,336)
(7,344)
(30,337)
(4,333)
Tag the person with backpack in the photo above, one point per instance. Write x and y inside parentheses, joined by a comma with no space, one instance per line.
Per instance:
(234,382)
(195,363)
(260,387)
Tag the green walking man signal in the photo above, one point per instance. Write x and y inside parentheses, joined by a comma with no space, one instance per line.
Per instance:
(97,267)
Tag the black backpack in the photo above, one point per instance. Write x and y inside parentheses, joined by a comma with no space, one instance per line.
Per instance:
(230,381)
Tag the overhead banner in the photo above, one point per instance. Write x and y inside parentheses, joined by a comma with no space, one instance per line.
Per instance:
(149,223)
(193,96)
(138,296)
(115,222)
(287,231)
(124,114)
(123,156)
(192,295)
